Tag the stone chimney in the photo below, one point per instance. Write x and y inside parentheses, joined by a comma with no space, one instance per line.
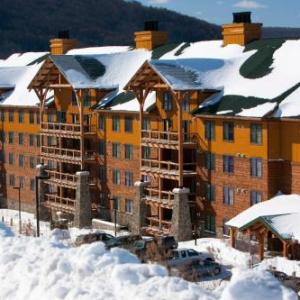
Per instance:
(151,37)
(62,43)
(242,31)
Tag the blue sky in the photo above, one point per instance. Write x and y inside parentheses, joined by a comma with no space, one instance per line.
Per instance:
(269,12)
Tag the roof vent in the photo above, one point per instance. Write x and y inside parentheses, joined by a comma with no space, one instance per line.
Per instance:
(242,17)
(63,34)
(151,26)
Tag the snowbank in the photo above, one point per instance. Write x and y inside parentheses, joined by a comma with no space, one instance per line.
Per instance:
(36,268)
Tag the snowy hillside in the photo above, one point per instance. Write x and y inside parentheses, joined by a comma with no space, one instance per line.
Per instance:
(36,268)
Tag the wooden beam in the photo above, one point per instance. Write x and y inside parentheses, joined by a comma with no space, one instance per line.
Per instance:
(79,98)
(233,237)
(57,85)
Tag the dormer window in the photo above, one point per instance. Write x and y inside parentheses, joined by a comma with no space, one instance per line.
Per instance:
(167,101)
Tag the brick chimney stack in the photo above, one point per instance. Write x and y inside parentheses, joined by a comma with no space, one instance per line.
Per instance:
(151,37)
(242,31)
(62,44)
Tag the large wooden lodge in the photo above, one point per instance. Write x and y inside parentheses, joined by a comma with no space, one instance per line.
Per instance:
(158,133)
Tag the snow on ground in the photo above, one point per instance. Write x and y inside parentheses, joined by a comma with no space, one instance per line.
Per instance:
(223,253)
(36,268)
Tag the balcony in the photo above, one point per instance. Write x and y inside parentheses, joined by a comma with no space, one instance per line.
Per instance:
(59,203)
(167,169)
(66,130)
(62,179)
(67,155)
(157,227)
(163,198)
(167,139)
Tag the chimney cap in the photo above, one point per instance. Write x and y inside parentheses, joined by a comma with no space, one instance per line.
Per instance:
(242,17)
(151,25)
(63,34)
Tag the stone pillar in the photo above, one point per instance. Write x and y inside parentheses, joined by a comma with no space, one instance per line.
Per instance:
(83,207)
(139,208)
(44,212)
(181,217)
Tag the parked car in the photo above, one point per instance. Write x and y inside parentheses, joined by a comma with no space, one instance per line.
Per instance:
(108,239)
(145,249)
(127,241)
(196,270)
(179,257)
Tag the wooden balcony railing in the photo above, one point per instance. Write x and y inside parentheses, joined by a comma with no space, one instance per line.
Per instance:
(168,167)
(166,137)
(63,179)
(61,153)
(66,128)
(55,201)
(67,154)
(164,197)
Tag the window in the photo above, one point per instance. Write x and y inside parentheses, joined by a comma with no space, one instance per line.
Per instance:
(116,202)
(228,195)
(61,117)
(2,116)
(128,124)
(146,124)
(51,140)
(12,180)
(103,200)
(228,131)
(256,167)
(102,173)
(116,152)
(31,162)
(167,101)
(128,178)
(116,176)
(38,118)
(210,223)
(10,137)
(21,117)
(101,122)
(86,100)
(11,158)
(192,252)
(50,164)
(10,116)
(146,152)
(255,197)
(209,130)
(186,105)
(21,138)
(128,206)
(128,151)
(256,134)
(228,164)
(21,182)
(116,124)
(50,117)
(32,184)
(74,100)
(31,117)
(102,147)
(31,140)
(210,161)
(38,141)
(21,160)
(210,192)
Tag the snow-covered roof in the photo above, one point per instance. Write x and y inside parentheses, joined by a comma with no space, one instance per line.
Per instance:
(281,214)
(16,72)
(103,71)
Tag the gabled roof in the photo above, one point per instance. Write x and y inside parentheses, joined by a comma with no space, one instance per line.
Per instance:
(280,214)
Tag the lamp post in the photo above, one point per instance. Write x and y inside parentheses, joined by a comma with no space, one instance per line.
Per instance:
(19,199)
(43,176)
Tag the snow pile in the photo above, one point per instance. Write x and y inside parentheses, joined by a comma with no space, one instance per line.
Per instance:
(254,284)
(36,268)
(98,50)
(282,264)
(289,107)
